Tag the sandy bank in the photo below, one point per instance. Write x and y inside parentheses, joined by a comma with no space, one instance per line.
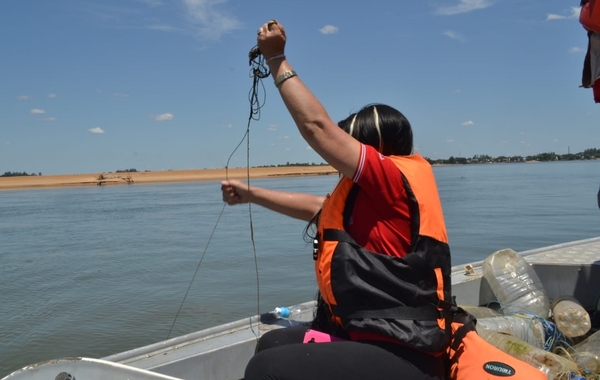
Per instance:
(96,179)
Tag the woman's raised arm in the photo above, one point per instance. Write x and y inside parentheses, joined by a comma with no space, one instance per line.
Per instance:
(334,145)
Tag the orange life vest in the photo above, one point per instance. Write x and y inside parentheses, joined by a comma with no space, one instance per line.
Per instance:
(472,357)
(396,298)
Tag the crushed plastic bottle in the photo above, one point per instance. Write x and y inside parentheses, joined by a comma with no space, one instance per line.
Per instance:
(554,366)
(570,317)
(514,282)
(523,326)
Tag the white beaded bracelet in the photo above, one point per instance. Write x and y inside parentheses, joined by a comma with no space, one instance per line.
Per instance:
(285,76)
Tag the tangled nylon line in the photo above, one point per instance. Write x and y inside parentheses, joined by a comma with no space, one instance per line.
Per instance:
(258,72)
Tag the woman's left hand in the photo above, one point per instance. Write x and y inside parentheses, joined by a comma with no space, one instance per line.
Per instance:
(271,39)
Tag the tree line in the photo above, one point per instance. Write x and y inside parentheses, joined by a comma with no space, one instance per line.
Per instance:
(292,164)
(588,154)
(19,174)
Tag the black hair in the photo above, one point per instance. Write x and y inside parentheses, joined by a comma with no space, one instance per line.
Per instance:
(382,127)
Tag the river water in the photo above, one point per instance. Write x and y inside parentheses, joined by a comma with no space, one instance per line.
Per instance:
(93,271)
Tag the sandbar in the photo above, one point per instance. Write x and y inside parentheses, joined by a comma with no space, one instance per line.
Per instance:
(126,178)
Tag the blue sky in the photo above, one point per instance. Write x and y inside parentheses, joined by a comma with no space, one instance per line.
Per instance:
(92,86)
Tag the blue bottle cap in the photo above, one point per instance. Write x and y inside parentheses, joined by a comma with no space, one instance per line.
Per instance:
(283,312)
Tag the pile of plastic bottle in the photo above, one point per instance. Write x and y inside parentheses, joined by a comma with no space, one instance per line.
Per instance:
(554,337)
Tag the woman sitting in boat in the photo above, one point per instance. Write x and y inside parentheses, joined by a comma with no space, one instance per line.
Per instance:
(382,260)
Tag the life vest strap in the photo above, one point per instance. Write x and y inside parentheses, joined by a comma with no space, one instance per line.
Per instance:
(458,315)
(337,235)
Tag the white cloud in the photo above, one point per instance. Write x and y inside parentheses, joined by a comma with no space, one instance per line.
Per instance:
(37,111)
(574,14)
(463,6)
(228,126)
(164,28)
(457,91)
(163,117)
(52,96)
(204,19)
(96,130)
(329,29)
(23,97)
(49,119)
(272,127)
(468,123)
(575,49)
(121,95)
(455,36)
(451,141)
(210,22)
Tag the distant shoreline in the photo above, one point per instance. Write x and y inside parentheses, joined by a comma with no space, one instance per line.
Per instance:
(126,178)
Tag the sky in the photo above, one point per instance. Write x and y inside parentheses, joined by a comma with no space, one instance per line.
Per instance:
(90,86)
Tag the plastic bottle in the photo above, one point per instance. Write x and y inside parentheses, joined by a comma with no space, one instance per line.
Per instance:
(570,317)
(586,361)
(554,366)
(282,312)
(587,353)
(523,326)
(480,311)
(290,317)
(514,282)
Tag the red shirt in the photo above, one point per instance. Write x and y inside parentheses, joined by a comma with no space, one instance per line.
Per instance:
(380,219)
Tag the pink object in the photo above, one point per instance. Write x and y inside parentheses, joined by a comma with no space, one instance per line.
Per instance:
(314,336)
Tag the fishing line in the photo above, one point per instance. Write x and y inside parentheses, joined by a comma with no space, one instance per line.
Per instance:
(258,72)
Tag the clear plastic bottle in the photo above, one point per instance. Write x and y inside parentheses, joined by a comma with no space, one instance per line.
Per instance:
(554,366)
(587,353)
(514,282)
(586,361)
(292,317)
(523,326)
(570,317)
(282,312)
(480,311)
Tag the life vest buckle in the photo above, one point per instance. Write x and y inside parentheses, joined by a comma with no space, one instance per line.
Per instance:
(315,249)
